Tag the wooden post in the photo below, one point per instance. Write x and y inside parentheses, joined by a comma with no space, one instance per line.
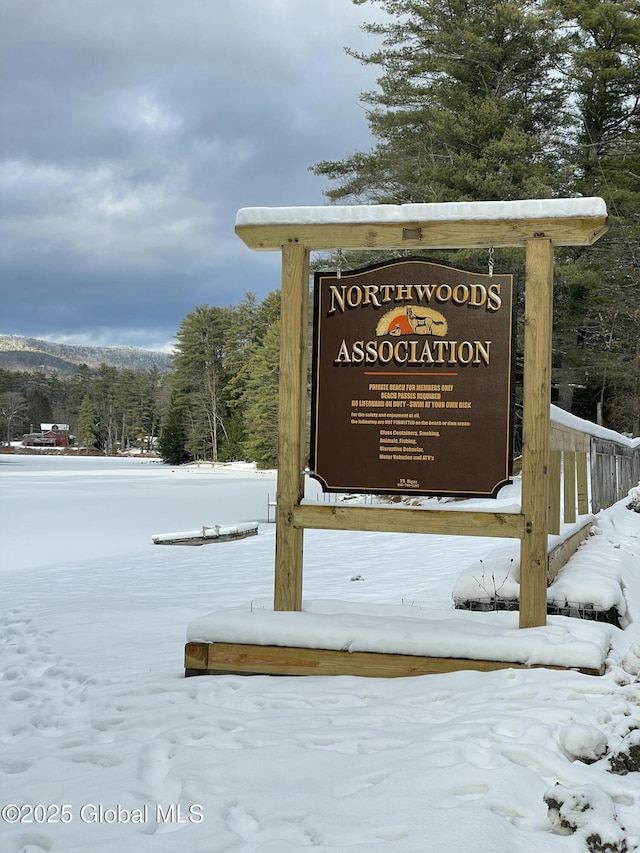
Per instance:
(535,431)
(595,479)
(553,499)
(291,425)
(583,488)
(569,481)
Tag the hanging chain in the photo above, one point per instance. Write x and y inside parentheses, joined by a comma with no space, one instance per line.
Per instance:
(492,260)
(340,262)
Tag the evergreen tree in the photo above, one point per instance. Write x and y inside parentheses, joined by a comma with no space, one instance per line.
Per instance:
(465,106)
(234,441)
(135,397)
(78,388)
(151,385)
(261,400)
(8,380)
(173,436)
(38,400)
(200,377)
(597,322)
(105,391)
(87,429)
(247,325)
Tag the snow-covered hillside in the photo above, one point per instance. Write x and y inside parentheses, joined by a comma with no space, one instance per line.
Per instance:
(31,354)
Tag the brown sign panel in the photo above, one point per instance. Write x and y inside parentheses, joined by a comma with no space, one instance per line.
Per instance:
(412,380)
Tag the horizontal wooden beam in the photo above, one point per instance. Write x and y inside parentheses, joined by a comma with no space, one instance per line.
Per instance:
(244,659)
(466,234)
(613,448)
(560,555)
(566,438)
(392,520)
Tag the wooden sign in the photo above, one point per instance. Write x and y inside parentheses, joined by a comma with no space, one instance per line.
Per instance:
(412,380)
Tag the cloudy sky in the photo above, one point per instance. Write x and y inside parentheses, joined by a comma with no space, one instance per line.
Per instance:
(131,132)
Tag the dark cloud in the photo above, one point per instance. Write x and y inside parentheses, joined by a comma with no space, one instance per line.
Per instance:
(131,133)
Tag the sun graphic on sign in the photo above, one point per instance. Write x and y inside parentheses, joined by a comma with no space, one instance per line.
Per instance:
(414,320)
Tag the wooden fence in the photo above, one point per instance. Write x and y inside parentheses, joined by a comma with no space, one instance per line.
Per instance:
(590,469)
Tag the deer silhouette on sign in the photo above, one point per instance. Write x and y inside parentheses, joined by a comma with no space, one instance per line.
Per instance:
(423,324)
(412,320)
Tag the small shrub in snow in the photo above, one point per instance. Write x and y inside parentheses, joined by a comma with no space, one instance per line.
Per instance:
(493,586)
(597,845)
(590,814)
(567,809)
(626,756)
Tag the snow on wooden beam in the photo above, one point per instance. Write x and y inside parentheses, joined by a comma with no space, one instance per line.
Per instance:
(457,225)
(342,637)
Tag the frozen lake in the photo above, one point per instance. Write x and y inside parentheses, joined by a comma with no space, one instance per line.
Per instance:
(61,508)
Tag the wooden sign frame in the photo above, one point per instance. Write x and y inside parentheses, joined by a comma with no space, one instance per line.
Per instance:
(535,226)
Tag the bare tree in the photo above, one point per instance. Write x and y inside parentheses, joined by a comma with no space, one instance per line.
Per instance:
(12,406)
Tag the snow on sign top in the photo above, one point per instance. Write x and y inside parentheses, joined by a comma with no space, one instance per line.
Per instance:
(467,211)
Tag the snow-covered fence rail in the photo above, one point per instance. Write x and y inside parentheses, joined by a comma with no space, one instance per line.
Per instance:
(590,466)
(590,469)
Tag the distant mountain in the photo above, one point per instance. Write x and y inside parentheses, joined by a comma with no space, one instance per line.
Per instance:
(31,355)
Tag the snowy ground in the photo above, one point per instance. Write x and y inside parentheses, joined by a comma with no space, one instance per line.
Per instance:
(106,747)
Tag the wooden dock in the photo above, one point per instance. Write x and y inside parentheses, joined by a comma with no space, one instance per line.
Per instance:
(207,535)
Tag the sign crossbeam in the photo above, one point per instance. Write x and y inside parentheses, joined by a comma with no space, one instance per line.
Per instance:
(443,522)
(424,235)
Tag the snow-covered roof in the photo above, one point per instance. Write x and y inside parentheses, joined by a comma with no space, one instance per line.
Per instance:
(548,208)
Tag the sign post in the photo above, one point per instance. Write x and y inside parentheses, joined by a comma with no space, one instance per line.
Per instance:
(535,431)
(291,426)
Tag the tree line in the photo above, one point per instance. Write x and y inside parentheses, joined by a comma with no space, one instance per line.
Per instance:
(218,402)
(107,408)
